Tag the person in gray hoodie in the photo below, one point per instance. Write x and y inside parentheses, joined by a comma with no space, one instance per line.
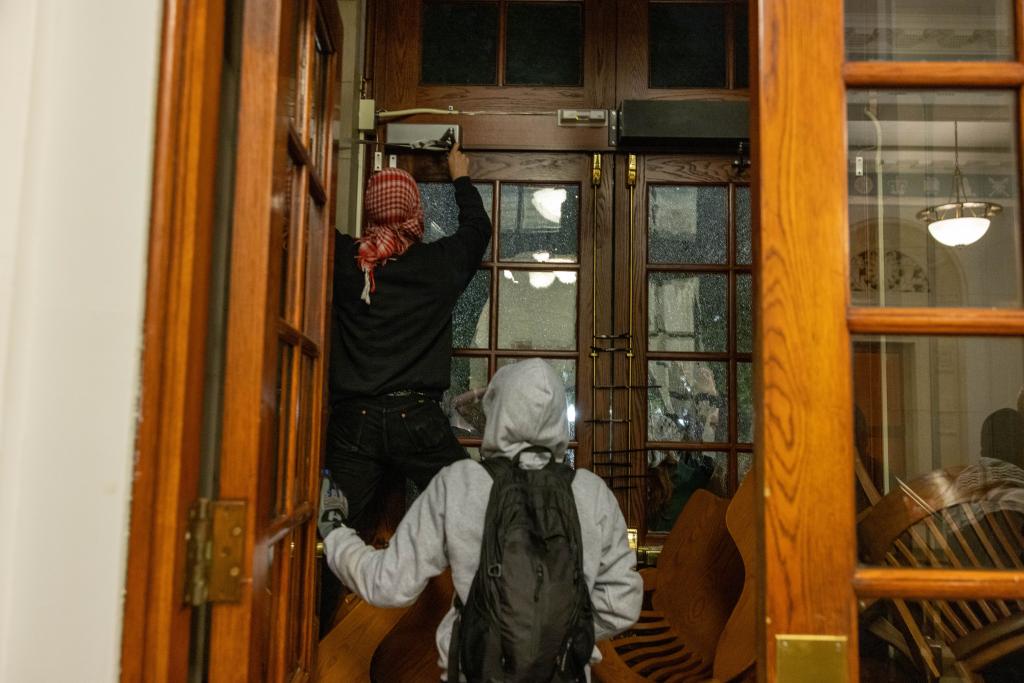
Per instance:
(525,409)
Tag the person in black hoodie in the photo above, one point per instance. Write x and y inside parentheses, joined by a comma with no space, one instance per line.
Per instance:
(392,336)
(391,342)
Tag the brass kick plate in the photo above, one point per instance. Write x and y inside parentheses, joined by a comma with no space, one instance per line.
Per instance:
(810,659)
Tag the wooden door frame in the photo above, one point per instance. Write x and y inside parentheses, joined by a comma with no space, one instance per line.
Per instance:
(802,379)
(810,583)
(156,627)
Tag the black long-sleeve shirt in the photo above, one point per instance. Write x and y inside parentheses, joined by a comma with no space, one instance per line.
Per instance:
(403,339)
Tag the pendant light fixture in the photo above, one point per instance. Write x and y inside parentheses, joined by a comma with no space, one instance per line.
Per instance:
(958,222)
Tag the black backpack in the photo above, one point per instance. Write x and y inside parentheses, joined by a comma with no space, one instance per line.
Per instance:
(528,616)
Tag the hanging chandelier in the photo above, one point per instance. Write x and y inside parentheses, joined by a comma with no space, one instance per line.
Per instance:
(958,222)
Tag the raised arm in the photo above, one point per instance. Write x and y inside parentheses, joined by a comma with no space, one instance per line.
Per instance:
(474,226)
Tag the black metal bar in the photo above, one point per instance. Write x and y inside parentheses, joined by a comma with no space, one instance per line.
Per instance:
(607,420)
(627,386)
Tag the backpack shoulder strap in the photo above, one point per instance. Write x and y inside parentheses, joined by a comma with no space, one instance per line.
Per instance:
(499,467)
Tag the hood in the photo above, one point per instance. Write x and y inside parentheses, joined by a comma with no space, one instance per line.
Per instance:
(525,409)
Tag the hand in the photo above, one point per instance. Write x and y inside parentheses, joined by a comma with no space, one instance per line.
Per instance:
(333,507)
(458,163)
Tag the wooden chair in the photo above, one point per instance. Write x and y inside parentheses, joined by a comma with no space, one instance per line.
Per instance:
(956,518)
(699,625)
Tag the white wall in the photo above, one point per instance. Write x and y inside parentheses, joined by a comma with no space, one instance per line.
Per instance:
(76,127)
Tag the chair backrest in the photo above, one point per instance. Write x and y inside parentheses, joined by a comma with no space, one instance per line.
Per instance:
(967,517)
(737,647)
(700,573)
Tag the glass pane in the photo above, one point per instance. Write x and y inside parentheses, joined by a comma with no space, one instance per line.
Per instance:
(745,402)
(744,463)
(915,640)
(289,229)
(282,427)
(675,475)
(907,149)
(544,44)
(744,313)
(929,30)
(441,213)
(471,319)
(460,43)
(313,297)
(741,48)
(687,223)
(744,249)
(688,401)
(687,45)
(566,369)
(461,403)
(686,312)
(537,309)
(539,223)
(939,438)
(305,434)
(319,125)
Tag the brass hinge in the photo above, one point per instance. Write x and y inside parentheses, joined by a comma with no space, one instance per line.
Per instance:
(631,171)
(595,171)
(215,543)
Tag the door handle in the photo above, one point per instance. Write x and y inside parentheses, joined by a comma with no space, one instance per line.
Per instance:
(319,550)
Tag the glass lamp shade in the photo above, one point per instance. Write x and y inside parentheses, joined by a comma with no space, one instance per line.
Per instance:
(959,232)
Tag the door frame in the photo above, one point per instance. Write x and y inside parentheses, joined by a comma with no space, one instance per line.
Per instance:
(156,627)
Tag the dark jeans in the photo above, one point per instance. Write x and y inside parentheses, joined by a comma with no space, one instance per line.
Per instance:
(372,438)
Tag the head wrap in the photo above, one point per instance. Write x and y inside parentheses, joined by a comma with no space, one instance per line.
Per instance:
(394,222)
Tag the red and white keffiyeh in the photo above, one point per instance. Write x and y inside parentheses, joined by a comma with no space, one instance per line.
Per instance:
(394,222)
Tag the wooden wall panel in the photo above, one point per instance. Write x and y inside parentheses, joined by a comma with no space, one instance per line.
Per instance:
(802,359)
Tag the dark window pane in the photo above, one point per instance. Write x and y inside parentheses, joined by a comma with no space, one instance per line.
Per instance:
(934,198)
(461,403)
(687,223)
(544,44)
(676,476)
(745,402)
(686,312)
(744,252)
(460,43)
(741,49)
(471,319)
(687,45)
(537,309)
(441,213)
(539,223)
(929,30)
(744,314)
(688,401)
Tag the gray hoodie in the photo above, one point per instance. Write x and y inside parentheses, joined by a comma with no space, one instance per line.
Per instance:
(525,408)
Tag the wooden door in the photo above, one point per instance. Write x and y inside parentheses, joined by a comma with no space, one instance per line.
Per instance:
(540,290)
(276,337)
(865,115)
(686,293)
